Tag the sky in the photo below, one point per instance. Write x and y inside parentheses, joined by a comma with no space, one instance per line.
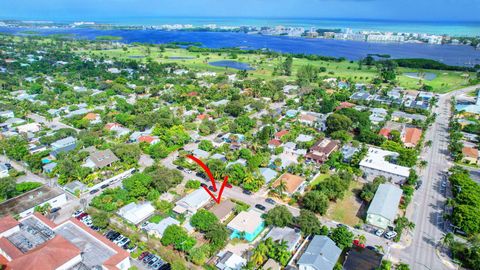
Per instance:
(416,10)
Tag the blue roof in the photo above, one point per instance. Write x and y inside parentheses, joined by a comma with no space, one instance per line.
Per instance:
(268,174)
(321,254)
(65,149)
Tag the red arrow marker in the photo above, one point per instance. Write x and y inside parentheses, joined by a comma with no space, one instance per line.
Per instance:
(210,175)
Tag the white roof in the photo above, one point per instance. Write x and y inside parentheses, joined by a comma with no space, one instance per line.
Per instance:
(304,138)
(162,225)
(193,201)
(136,213)
(386,201)
(375,159)
(199,153)
(246,222)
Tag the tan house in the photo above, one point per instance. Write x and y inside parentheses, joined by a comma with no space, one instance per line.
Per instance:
(223,210)
(470,155)
(293,183)
(321,150)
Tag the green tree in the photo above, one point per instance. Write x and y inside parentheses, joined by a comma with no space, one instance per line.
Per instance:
(203,219)
(138,185)
(342,237)
(315,201)
(279,216)
(310,224)
(206,145)
(338,122)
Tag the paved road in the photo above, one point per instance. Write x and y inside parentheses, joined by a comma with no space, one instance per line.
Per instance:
(29,176)
(426,209)
(54,124)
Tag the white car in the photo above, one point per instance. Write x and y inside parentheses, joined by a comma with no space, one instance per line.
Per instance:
(77,213)
(188,171)
(390,234)
(379,232)
(119,239)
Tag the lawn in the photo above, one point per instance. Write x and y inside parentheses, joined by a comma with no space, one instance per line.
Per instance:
(319,179)
(347,210)
(445,80)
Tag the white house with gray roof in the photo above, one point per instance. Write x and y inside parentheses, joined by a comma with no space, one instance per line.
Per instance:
(378,162)
(321,254)
(384,206)
(192,202)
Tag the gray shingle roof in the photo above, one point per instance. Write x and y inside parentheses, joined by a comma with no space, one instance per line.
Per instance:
(321,254)
(386,200)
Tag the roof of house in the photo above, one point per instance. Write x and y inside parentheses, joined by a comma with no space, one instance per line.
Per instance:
(146,138)
(281,133)
(321,253)
(470,152)
(362,259)
(162,225)
(412,136)
(65,141)
(90,116)
(385,132)
(136,212)
(375,159)
(246,222)
(386,201)
(109,126)
(199,153)
(50,255)
(194,200)
(103,158)
(274,142)
(271,265)
(344,105)
(291,236)
(7,222)
(10,249)
(292,182)
(268,174)
(223,209)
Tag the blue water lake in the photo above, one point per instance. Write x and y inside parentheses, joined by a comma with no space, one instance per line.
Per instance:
(424,76)
(232,64)
(352,50)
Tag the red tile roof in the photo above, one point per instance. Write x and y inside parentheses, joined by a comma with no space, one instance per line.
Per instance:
(292,182)
(412,136)
(109,126)
(281,133)
(470,152)
(146,138)
(385,132)
(50,255)
(274,142)
(344,105)
(7,222)
(202,116)
(90,116)
(11,250)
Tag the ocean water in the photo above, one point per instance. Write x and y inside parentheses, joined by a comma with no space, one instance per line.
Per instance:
(437,27)
(352,50)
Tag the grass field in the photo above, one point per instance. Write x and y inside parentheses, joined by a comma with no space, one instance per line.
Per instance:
(264,66)
(319,179)
(347,210)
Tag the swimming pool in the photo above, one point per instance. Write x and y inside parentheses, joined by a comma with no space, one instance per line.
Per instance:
(248,236)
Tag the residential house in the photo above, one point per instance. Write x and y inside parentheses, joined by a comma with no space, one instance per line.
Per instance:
(29,128)
(304,138)
(344,105)
(118,129)
(158,229)
(378,115)
(411,137)
(402,116)
(274,143)
(321,150)
(247,225)
(473,108)
(93,118)
(271,264)
(313,119)
(228,260)
(7,114)
(48,168)
(321,254)
(385,132)
(192,202)
(99,159)
(3,170)
(378,162)
(348,151)
(148,139)
(358,258)
(223,210)
(13,121)
(268,174)
(201,154)
(291,113)
(292,183)
(135,213)
(470,155)
(288,89)
(63,146)
(279,135)
(383,209)
(292,237)
(361,96)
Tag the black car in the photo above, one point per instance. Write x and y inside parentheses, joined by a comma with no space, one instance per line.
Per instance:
(248,192)
(201,175)
(418,185)
(270,201)
(204,185)
(93,191)
(104,186)
(9,166)
(372,248)
(342,225)
(56,209)
(212,188)
(261,207)
(113,236)
(180,168)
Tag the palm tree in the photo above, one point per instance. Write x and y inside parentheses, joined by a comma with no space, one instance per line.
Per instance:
(447,239)
(423,164)
(259,254)
(281,188)
(361,239)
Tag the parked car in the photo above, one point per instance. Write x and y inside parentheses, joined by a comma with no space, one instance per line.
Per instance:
(379,232)
(212,188)
(228,185)
(118,239)
(419,184)
(261,207)
(270,201)
(340,225)
(55,209)
(187,171)
(204,185)
(93,191)
(390,235)
(81,216)
(9,166)
(248,192)
(148,258)
(104,186)
(180,168)
(77,213)
(145,253)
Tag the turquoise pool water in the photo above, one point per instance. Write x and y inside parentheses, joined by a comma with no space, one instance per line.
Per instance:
(46,161)
(249,237)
